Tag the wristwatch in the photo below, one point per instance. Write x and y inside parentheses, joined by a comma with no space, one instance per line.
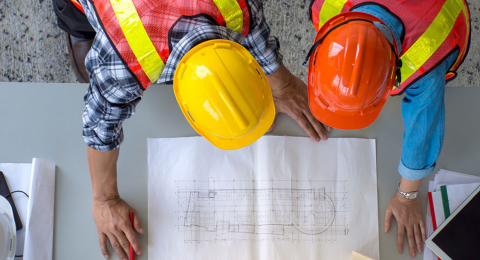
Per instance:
(408,195)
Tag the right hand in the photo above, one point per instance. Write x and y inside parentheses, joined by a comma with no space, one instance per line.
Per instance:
(112,218)
(290,95)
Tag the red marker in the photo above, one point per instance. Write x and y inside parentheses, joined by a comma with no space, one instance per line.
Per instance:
(132,253)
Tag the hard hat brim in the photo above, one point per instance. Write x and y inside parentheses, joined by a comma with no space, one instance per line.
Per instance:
(342,121)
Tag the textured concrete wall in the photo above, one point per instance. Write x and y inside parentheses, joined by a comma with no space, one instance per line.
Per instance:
(31,45)
(33,49)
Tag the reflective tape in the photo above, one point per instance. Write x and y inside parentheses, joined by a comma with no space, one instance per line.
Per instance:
(138,39)
(232,13)
(414,58)
(329,9)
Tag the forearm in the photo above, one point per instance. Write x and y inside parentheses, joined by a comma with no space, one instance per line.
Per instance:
(103,173)
(409,185)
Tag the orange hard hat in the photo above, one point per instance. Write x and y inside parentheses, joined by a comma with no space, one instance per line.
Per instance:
(353,68)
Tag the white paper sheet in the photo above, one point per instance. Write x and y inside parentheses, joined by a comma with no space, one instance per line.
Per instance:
(458,193)
(280,198)
(35,240)
(39,226)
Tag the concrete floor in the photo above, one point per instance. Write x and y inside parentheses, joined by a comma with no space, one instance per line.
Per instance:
(33,48)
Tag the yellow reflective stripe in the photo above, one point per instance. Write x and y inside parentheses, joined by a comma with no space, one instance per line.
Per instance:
(329,9)
(432,38)
(138,38)
(232,13)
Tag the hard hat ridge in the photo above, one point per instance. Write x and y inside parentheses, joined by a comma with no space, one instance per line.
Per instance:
(355,72)
(224,94)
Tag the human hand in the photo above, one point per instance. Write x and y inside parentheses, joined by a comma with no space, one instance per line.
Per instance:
(290,95)
(409,216)
(113,221)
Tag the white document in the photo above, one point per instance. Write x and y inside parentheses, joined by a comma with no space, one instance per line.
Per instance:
(35,240)
(280,198)
(458,193)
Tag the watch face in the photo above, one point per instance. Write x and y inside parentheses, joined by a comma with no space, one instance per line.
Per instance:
(411,196)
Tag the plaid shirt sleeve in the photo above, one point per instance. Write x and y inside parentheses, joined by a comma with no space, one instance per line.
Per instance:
(263,46)
(114,92)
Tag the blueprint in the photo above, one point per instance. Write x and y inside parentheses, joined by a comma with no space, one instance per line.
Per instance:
(280,198)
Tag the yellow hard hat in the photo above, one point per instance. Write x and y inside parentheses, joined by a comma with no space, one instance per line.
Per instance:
(224,94)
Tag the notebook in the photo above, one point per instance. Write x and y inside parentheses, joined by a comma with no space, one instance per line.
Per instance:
(458,238)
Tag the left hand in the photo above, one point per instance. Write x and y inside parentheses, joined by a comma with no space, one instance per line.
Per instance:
(290,95)
(409,216)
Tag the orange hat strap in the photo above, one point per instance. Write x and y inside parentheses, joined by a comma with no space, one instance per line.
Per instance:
(383,29)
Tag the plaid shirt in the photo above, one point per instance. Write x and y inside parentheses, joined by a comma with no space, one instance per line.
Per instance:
(114,93)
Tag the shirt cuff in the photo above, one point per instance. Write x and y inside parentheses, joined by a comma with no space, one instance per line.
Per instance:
(93,141)
(413,174)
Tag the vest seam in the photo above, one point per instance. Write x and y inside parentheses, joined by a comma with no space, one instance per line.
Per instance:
(310,11)
(431,69)
(402,36)
(469,40)
(115,48)
(251,16)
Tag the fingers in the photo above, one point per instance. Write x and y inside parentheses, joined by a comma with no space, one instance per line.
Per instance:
(418,240)
(401,235)
(424,231)
(306,126)
(117,247)
(137,224)
(124,243)
(388,219)
(411,241)
(269,130)
(103,245)
(133,240)
(316,125)
(328,128)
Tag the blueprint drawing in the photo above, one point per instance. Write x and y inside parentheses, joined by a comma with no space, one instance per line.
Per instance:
(237,211)
(281,198)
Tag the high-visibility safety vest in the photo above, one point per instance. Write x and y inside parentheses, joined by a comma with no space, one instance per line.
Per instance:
(432,30)
(78,6)
(139,29)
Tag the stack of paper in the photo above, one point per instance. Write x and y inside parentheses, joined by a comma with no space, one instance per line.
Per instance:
(446,192)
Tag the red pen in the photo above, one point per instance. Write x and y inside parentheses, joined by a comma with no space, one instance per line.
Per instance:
(132,253)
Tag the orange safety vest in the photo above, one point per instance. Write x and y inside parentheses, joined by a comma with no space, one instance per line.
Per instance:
(139,28)
(432,30)
(78,5)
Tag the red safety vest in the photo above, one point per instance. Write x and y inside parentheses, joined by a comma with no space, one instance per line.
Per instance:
(432,30)
(139,28)
(78,6)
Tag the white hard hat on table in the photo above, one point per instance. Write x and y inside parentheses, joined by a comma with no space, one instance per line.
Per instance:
(8,235)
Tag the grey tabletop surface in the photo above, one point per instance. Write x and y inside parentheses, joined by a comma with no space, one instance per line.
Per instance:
(45,121)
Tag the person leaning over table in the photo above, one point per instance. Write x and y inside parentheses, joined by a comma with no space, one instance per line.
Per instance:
(216,52)
(365,48)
